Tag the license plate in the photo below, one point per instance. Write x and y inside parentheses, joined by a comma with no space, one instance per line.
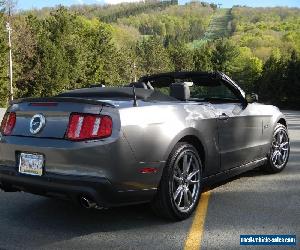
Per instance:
(31,164)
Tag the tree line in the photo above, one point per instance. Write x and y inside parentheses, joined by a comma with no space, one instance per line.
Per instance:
(67,48)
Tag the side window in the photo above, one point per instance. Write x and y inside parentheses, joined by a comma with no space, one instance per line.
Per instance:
(212,91)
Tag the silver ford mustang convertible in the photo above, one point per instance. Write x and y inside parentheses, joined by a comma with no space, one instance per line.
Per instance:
(158,140)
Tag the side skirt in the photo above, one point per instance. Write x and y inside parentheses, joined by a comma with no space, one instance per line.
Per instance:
(212,179)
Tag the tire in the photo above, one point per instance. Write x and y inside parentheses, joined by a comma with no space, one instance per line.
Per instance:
(179,191)
(279,151)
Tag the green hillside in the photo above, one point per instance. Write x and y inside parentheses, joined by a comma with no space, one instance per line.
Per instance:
(219,27)
(61,48)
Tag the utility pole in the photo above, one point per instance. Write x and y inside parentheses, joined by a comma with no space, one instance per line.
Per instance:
(9,30)
(134,71)
(11,90)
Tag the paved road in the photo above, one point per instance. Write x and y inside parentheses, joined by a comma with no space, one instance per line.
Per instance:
(251,203)
(255,203)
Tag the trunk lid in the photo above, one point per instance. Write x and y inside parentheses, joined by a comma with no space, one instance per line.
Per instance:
(52,114)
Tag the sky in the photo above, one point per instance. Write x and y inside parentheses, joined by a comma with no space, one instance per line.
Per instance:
(28,4)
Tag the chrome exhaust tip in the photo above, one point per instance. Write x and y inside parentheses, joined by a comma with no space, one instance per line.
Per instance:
(87,203)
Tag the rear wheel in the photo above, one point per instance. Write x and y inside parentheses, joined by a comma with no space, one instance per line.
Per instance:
(279,152)
(180,186)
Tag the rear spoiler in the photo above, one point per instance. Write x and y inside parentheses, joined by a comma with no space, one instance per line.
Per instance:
(63,99)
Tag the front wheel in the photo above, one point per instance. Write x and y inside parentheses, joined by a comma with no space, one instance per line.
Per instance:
(180,186)
(279,152)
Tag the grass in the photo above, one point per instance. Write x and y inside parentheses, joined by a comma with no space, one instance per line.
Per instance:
(220,26)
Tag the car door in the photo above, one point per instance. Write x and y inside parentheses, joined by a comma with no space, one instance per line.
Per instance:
(239,134)
(239,125)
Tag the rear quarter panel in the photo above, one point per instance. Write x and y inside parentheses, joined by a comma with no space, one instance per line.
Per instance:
(152,130)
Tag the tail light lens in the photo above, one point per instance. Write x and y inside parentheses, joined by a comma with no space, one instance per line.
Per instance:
(87,127)
(8,123)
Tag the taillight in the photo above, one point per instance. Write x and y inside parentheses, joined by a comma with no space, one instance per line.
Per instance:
(8,123)
(88,127)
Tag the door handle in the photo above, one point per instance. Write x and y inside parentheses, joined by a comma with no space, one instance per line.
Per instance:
(223,117)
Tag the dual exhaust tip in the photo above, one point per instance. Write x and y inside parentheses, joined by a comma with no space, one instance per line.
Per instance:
(88,203)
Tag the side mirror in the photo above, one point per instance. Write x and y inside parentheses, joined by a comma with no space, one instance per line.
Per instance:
(252,98)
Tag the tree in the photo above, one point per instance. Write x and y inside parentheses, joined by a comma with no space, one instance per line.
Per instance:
(181,57)
(271,86)
(222,55)
(246,69)
(72,52)
(59,48)
(202,58)
(153,57)
(102,58)
(3,59)
(293,81)
(25,56)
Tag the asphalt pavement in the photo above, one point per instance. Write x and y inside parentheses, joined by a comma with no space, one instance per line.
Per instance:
(257,203)
(252,203)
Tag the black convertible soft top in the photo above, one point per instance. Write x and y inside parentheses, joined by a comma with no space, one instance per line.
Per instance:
(117,93)
(147,93)
(198,78)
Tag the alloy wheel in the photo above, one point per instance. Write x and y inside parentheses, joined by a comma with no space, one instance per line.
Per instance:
(280,149)
(186,181)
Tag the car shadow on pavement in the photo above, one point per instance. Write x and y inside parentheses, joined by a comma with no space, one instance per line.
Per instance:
(40,221)
(67,215)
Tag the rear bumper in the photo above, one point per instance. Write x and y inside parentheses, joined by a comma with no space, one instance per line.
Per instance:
(107,159)
(71,187)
